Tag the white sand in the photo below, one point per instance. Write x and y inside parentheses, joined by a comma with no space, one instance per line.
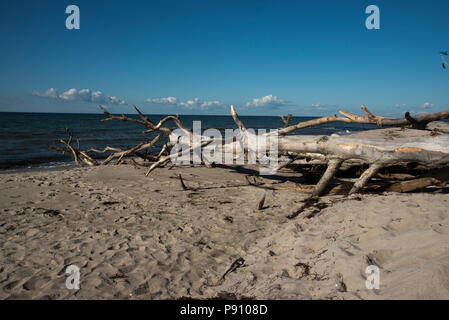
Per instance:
(144,237)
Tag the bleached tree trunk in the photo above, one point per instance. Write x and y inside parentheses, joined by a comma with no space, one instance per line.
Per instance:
(421,139)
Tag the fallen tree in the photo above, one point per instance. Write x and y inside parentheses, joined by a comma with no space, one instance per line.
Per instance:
(421,140)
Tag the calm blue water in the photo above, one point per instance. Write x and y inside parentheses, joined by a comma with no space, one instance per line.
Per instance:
(25,137)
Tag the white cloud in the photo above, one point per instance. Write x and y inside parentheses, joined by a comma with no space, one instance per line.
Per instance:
(190,104)
(268,100)
(325,107)
(425,105)
(168,100)
(50,93)
(207,104)
(84,95)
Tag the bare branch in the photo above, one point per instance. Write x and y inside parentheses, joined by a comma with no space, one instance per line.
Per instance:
(237,120)
(286,122)
(326,178)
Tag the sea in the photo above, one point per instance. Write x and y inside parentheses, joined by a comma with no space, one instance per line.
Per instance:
(25,137)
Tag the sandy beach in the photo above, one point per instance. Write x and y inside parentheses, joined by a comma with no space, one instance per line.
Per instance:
(138,237)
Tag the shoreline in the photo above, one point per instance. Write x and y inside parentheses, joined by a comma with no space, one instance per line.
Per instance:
(41,167)
(137,237)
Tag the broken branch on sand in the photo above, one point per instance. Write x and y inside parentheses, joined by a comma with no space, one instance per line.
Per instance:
(420,140)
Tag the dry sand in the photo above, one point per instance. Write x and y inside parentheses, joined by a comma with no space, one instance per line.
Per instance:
(146,238)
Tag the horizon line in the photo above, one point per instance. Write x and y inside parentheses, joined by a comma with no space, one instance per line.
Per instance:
(158,114)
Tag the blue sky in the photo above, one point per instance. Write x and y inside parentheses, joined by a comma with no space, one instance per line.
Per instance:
(198,57)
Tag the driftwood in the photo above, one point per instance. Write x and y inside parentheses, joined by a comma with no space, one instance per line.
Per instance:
(420,140)
(261,203)
(379,148)
(435,177)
